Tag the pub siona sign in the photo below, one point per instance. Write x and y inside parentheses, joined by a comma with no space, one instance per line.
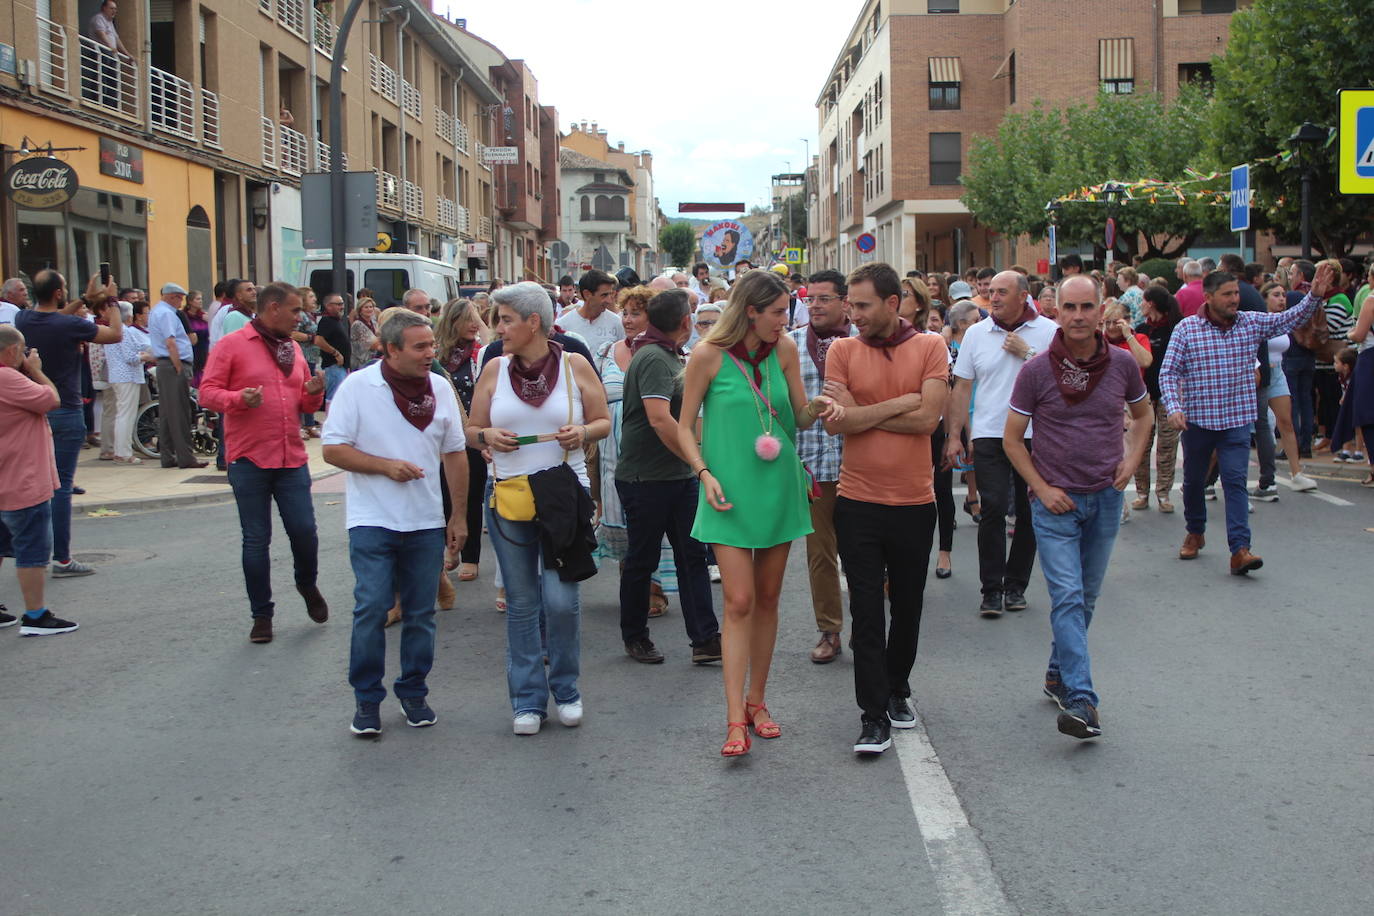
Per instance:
(41,183)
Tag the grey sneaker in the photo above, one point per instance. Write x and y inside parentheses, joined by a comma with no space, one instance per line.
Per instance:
(71,568)
(1269,494)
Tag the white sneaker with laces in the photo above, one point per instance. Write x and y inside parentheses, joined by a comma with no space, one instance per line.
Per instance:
(527,723)
(570,714)
(1302,483)
(714,572)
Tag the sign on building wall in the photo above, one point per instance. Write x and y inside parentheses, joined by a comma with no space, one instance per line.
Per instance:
(727,242)
(41,183)
(120,160)
(501,155)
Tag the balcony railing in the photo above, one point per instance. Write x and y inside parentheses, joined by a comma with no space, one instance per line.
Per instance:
(209,118)
(294,151)
(461,221)
(265,6)
(444,125)
(322,161)
(411,96)
(324,34)
(52,57)
(109,80)
(444,209)
(484,227)
(415,200)
(381,78)
(388,190)
(481,154)
(291,14)
(269,142)
(171,103)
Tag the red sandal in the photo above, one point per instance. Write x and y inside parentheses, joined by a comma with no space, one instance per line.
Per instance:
(763,729)
(736,748)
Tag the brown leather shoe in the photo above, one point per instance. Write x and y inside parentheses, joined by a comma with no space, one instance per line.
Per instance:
(448,595)
(262,630)
(1140,503)
(1242,561)
(827,650)
(1191,545)
(315,605)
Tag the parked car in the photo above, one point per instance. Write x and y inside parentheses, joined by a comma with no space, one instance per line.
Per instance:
(387,275)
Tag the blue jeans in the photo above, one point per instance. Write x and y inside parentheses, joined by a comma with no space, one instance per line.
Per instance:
(333,378)
(1232,447)
(1075,548)
(26,535)
(1301,371)
(254,490)
(654,508)
(68,433)
(532,591)
(384,563)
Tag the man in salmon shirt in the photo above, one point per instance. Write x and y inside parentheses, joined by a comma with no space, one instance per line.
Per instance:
(259,382)
(29,470)
(893,380)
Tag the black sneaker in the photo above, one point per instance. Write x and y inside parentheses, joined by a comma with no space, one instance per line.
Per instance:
(710,652)
(6,618)
(418,713)
(992,604)
(875,738)
(1014,600)
(1079,719)
(1054,688)
(367,721)
(644,651)
(900,713)
(47,625)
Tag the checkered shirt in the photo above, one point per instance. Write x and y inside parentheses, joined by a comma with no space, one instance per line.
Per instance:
(817,449)
(1209,374)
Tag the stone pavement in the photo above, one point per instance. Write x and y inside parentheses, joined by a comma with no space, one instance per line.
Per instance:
(122,487)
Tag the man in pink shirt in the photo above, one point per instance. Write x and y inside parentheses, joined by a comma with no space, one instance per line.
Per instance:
(259,382)
(29,470)
(1190,294)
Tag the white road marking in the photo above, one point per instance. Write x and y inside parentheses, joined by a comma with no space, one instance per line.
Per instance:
(1250,484)
(959,861)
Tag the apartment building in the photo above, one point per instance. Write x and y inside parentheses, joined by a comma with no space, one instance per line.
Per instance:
(916,80)
(190,147)
(639,242)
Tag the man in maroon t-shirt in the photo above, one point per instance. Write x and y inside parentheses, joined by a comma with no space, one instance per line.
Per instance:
(1076,470)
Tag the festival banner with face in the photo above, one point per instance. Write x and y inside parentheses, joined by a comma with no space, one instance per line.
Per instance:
(726,242)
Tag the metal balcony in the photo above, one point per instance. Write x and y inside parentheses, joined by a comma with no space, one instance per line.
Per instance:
(413,104)
(294,150)
(414,200)
(269,142)
(52,57)
(291,14)
(322,161)
(381,78)
(444,209)
(171,103)
(324,34)
(109,80)
(209,118)
(388,190)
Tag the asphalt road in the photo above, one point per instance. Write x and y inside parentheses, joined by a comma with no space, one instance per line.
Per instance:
(156,762)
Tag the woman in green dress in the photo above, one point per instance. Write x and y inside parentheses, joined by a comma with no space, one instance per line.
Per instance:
(745,378)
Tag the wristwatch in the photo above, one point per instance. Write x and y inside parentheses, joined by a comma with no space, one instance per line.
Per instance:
(1030,353)
(481,437)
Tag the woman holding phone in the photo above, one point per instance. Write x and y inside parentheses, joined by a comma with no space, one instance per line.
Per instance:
(745,378)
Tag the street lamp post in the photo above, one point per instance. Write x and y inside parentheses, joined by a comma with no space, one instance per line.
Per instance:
(1308,134)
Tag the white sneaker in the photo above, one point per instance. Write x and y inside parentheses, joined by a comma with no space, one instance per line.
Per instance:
(1125,515)
(570,714)
(1302,483)
(714,572)
(527,723)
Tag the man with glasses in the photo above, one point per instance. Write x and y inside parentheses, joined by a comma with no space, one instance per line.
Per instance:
(820,452)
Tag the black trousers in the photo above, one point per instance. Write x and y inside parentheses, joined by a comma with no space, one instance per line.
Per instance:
(999,488)
(884,543)
(944,489)
(477,486)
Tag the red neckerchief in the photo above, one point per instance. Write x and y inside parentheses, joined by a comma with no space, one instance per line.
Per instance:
(1027,314)
(818,342)
(755,361)
(242,309)
(1077,378)
(460,354)
(413,396)
(534,383)
(904,332)
(282,349)
(652,335)
(1206,313)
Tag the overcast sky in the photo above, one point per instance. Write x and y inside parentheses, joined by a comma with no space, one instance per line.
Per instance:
(722,100)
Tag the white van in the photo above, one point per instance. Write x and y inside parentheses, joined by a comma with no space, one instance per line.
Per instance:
(387,275)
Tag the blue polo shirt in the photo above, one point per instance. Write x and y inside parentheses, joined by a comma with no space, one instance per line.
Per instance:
(163,323)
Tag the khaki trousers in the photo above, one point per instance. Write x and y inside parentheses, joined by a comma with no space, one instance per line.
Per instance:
(823,562)
(1165,457)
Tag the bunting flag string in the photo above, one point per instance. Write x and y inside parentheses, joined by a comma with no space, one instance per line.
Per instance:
(1150,190)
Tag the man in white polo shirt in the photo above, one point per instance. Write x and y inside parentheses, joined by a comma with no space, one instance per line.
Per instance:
(390,426)
(991,356)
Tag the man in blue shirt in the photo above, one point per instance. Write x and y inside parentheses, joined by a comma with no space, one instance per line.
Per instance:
(172,347)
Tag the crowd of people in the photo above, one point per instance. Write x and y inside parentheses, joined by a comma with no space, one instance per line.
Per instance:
(688,430)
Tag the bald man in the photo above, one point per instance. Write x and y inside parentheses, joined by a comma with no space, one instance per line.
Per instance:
(991,355)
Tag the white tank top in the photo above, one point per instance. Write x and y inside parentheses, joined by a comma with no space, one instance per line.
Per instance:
(509,412)
(1277,347)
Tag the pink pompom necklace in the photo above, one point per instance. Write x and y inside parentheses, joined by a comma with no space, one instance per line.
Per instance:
(766,446)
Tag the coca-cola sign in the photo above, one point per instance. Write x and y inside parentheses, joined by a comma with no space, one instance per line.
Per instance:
(41,183)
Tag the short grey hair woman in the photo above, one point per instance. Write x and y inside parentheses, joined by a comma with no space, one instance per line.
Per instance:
(526,299)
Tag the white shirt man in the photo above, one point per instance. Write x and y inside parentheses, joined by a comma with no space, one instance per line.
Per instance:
(593,320)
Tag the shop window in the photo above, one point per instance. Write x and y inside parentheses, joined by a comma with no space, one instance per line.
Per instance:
(94,226)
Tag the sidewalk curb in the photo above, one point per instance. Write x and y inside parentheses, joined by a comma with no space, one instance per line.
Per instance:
(147,503)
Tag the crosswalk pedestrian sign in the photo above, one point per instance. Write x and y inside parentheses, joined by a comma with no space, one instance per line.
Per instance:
(1355,164)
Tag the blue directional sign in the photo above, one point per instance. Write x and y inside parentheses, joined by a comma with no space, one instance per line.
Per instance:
(1240,198)
(1364,143)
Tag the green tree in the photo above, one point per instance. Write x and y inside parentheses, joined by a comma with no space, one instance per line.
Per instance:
(1040,155)
(1283,65)
(678,242)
